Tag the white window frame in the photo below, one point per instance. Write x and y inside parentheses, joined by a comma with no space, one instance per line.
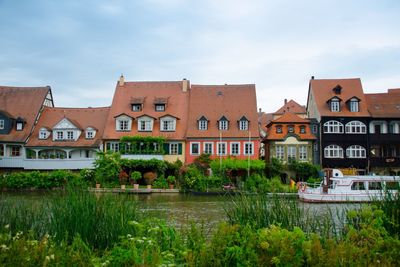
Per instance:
(205,150)
(223,125)
(303,153)
(333,126)
(198,148)
(90,134)
(70,135)
(43,134)
(279,129)
(248,148)
(160,107)
(303,129)
(280,152)
(123,123)
(243,125)
(59,135)
(114,146)
(2,123)
(335,105)
(147,122)
(168,124)
(238,148)
(291,152)
(356,152)
(20,126)
(354,105)
(136,107)
(221,145)
(333,152)
(356,127)
(174,148)
(203,125)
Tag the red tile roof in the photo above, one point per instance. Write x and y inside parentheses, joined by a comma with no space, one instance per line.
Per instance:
(322,91)
(291,106)
(264,119)
(215,101)
(80,117)
(384,105)
(23,102)
(286,120)
(132,92)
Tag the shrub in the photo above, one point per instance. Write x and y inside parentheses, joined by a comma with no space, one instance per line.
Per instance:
(135,177)
(160,182)
(149,177)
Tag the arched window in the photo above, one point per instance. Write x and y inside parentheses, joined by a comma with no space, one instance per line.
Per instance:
(356,127)
(333,127)
(333,151)
(355,151)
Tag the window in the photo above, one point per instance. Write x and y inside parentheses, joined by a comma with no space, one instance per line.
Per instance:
(43,134)
(223,125)
(168,124)
(123,125)
(315,129)
(235,148)
(113,146)
(173,148)
(278,129)
(59,135)
(1,124)
(145,124)
(280,152)
(335,105)
(333,127)
(1,150)
(356,127)
(15,151)
(208,148)
(374,185)
(203,125)
(248,148)
(333,151)
(291,153)
(19,126)
(290,129)
(221,148)
(355,151)
(302,129)
(354,105)
(160,107)
(89,135)
(243,125)
(70,135)
(195,148)
(303,152)
(315,146)
(136,107)
(358,186)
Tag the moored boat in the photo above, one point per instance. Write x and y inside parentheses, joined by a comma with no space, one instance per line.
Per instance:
(337,187)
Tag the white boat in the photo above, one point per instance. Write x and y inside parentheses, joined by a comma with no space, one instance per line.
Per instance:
(337,187)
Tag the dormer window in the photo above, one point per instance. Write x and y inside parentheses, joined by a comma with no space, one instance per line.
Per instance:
(223,123)
(43,133)
(1,124)
(136,107)
(203,123)
(354,104)
(59,135)
(243,124)
(20,124)
(145,124)
(160,107)
(90,133)
(278,129)
(337,90)
(302,129)
(70,135)
(167,124)
(291,129)
(123,123)
(334,104)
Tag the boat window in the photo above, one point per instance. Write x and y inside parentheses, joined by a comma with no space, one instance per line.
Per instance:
(392,185)
(375,186)
(358,186)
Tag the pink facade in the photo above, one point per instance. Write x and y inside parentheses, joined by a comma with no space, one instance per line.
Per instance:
(239,148)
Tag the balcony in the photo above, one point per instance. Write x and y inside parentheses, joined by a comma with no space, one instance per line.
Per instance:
(47,164)
(11,162)
(388,138)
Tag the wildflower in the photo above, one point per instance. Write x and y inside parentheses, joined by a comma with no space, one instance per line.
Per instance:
(128,236)
(140,241)
(7,226)
(133,223)
(52,256)
(264,245)
(4,247)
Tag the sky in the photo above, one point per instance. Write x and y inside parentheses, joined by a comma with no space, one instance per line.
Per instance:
(81,47)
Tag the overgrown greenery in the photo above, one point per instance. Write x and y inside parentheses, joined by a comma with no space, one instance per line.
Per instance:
(142,145)
(303,170)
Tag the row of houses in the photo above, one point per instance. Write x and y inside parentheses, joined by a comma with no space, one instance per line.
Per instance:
(340,127)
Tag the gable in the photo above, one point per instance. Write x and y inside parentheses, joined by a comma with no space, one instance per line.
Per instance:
(65,124)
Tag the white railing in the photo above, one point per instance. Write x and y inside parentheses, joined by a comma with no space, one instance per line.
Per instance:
(11,162)
(144,157)
(58,164)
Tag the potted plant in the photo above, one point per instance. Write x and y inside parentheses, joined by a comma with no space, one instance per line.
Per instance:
(123,178)
(171,181)
(149,178)
(135,177)
(97,179)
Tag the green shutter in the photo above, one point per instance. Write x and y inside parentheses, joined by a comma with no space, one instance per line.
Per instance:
(166,148)
(180,149)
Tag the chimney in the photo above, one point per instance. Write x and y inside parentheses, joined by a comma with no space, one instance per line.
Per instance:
(312,77)
(259,110)
(285,101)
(185,85)
(121,81)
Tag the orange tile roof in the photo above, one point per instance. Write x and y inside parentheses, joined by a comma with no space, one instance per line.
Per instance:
(289,117)
(23,102)
(384,105)
(322,90)
(291,106)
(80,117)
(264,119)
(215,101)
(149,92)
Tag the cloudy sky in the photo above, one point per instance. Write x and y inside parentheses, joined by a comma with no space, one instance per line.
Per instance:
(80,48)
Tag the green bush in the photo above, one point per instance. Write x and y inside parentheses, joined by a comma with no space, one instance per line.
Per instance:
(304,170)
(236,167)
(160,182)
